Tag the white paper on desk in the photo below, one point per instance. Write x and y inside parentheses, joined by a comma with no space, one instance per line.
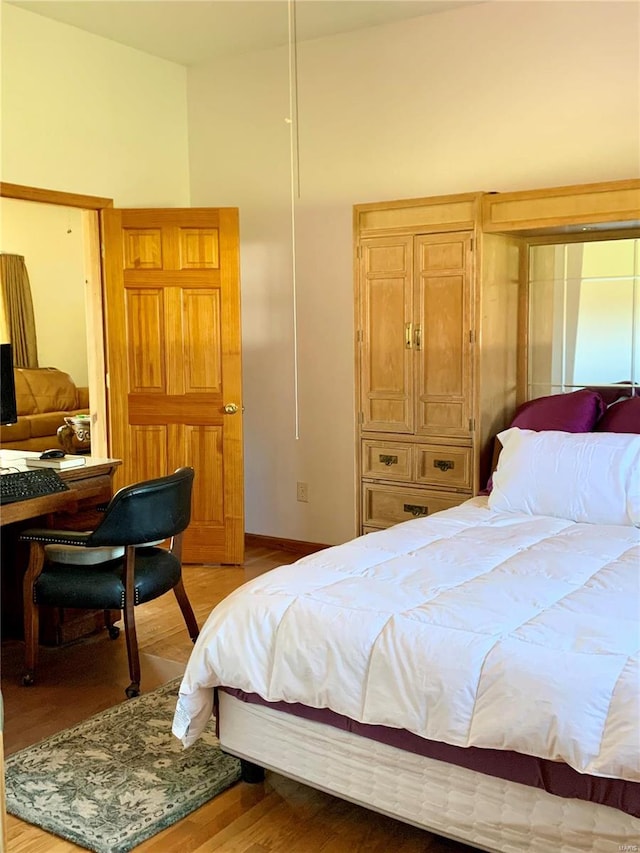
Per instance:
(13,456)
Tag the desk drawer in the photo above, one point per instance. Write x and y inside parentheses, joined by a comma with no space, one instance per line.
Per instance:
(383,506)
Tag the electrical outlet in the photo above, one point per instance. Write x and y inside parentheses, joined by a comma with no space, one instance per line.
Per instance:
(303,492)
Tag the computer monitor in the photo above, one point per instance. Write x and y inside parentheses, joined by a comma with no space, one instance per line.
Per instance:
(8,408)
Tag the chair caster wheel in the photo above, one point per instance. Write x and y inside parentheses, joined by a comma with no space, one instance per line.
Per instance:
(114,632)
(132,690)
(28,679)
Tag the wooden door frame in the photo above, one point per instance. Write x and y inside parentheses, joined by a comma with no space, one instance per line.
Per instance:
(91,207)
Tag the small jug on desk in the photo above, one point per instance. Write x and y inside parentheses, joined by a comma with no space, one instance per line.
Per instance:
(75,435)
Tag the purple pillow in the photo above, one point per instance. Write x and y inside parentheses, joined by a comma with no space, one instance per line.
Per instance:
(621,417)
(578,411)
(610,394)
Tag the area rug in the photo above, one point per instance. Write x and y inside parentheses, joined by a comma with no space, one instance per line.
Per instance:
(118,778)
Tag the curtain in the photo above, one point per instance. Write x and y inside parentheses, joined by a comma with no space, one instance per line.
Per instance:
(18,307)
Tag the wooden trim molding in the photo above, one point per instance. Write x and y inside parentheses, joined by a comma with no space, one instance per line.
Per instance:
(613,204)
(23,193)
(295,546)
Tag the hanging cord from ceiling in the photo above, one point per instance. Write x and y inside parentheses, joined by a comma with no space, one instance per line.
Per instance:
(294,157)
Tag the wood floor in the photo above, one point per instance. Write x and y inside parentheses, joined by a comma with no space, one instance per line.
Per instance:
(82,679)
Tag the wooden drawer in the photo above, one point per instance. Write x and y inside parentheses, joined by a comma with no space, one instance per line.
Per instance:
(383,506)
(386,460)
(443,465)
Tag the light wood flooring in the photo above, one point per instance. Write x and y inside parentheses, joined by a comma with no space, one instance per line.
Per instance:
(79,680)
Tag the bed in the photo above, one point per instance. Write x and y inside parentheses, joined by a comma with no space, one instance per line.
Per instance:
(475,673)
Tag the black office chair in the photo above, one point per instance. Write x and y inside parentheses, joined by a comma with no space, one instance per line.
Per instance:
(126,565)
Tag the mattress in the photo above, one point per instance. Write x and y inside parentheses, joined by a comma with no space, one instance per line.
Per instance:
(490,813)
(474,628)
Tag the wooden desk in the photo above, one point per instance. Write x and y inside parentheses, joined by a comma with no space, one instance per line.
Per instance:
(89,486)
(35,507)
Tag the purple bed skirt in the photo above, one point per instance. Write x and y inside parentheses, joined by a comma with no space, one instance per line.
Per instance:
(554,777)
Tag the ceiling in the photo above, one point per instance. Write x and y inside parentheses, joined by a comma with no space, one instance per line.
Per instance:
(191,32)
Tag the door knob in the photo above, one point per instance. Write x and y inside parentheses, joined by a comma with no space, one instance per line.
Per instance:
(230,408)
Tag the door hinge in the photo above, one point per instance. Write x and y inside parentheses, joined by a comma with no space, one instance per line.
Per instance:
(472,424)
(472,244)
(360,417)
(472,336)
(102,250)
(359,336)
(359,252)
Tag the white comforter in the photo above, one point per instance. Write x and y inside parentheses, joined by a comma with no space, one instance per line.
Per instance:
(472,627)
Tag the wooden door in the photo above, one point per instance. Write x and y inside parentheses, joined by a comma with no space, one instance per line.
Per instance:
(443,278)
(172,315)
(386,334)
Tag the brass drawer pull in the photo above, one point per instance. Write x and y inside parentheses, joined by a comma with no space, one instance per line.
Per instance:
(444,464)
(416,510)
(388,460)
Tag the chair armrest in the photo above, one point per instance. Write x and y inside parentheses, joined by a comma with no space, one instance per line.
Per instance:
(55,537)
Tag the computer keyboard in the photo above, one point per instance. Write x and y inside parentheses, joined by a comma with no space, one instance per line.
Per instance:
(22,485)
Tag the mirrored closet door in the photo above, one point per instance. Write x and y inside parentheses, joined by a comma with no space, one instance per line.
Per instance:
(584,316)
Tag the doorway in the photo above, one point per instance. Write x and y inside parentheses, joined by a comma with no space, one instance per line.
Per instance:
(82,213)
(168,281)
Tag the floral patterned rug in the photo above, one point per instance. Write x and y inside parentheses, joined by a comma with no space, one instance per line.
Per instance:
(118,778)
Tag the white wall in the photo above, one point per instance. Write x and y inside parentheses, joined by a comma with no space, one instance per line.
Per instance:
(499,96)
(51,240)
(84,114)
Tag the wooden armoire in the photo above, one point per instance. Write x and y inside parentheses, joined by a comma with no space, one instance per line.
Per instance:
(441,333)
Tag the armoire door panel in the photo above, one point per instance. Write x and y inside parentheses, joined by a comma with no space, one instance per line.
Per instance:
(387,356)
(444,417)
(443,352)
(442,256)
(443,276)
(386,344)
(383,413)
(387,257)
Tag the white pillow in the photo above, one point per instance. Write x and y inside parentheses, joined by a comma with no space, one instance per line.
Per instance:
(591,477)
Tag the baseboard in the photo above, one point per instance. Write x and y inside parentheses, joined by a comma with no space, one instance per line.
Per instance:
(256,540)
